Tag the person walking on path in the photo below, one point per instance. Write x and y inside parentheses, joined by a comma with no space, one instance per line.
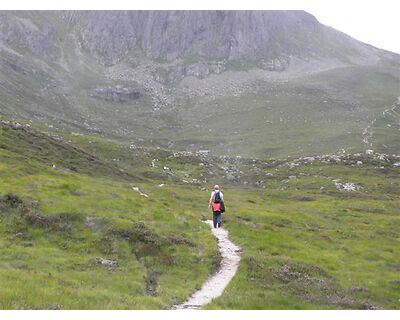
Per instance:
(217,205)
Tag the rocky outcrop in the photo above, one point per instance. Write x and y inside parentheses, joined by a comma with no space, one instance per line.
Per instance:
(176,72)
(275,64)
(115,94)
(201,38)
(20,32)
(231,35)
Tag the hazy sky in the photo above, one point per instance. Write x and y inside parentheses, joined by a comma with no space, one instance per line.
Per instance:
(376,22)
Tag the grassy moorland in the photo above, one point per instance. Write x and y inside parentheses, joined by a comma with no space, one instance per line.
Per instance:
(321,249)
(306,244)
(56,222)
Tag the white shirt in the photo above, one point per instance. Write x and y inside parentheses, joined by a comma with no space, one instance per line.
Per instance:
(220,193)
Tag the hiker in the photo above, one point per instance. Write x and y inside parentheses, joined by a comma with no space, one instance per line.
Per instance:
(217,205)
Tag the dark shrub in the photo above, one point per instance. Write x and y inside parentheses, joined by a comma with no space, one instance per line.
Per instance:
(10,201)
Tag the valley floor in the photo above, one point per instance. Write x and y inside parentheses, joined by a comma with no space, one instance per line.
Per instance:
(75,233)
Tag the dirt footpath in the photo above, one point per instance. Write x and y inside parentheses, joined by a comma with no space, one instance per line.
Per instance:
(216,284)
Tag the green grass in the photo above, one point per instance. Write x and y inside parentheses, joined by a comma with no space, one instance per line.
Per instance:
(143,235)
(306,248)
(306,245)
(61,221)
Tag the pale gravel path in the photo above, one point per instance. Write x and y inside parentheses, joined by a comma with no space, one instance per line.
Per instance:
(216,284)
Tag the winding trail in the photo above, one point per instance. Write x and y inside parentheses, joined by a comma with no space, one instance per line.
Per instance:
(215,285)
(391,112)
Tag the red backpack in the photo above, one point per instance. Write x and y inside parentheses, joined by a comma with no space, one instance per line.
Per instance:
(216,204)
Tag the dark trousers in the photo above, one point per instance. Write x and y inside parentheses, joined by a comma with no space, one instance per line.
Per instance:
(217,219)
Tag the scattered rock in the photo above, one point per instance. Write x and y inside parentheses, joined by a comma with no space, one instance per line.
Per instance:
(19,234)
(277,64)
(198,69)
(90,222)
(347,186)
(203,152)
(106,262)
(140,192)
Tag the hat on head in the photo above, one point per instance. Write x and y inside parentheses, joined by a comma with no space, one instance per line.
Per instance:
(216,187)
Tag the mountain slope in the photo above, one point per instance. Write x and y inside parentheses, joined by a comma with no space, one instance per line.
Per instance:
(232,35)
(166,78)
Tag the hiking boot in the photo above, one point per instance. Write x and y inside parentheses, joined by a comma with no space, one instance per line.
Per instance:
(219,225)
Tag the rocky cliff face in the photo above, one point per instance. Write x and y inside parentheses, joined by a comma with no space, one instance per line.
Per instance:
(231,35)
(22,33)
(271,37)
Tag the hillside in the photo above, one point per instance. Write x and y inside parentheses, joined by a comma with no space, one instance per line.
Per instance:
(266,83)
(73,238)
(83,238)
(114,125)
